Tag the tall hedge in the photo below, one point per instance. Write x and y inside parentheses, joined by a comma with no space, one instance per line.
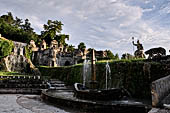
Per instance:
(135,76)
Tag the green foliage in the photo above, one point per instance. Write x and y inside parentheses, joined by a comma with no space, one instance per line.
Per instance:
(17,30)
(129,74)
(51,29)
(71,48)
(6,47)
(13,29)
(110,55)
(116,56)
(81,46)
(4,73)
(27,26)
(61,38)
(68,74)
(8,18)
(127,56)
(28,52)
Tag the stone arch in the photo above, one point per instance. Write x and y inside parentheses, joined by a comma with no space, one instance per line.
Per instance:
(67,63)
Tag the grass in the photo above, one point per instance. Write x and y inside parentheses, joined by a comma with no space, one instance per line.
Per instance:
(3,73)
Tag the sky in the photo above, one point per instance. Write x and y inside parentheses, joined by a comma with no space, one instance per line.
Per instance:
(100,24)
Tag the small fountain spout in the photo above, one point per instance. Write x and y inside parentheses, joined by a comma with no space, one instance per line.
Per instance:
(86,69)
(93,70)
(108,74)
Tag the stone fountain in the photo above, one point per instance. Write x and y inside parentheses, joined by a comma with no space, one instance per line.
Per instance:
(93,93)
(93,99)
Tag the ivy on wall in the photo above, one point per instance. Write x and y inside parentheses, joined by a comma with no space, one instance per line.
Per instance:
(6,47)
(28,52)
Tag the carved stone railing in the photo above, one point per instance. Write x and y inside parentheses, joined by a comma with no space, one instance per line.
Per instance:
(160,89)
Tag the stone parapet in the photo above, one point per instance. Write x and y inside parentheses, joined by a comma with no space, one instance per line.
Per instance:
(160,90)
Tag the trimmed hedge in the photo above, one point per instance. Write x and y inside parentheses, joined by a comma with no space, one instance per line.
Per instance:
(134,75)
(68,74)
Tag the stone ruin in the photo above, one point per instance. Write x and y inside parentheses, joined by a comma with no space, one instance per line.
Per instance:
(57,55)
(17,61)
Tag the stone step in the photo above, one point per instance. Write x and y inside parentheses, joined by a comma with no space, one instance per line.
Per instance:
(55,81)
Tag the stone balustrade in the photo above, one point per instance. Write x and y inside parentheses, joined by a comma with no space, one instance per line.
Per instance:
(160,89)
(22,82)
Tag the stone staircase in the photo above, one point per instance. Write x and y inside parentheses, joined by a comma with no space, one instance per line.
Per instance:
(22,84)
(57,85)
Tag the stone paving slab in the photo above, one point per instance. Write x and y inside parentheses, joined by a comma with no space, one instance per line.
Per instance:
(19,103)
(8,104)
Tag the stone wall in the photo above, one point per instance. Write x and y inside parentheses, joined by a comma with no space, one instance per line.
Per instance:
(16,61)
(65,61)
(45,58)
(160,90)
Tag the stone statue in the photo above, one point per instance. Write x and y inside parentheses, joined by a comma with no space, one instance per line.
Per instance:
(32,46)
(54,44)
(43,45)
(155,52)
(139,52)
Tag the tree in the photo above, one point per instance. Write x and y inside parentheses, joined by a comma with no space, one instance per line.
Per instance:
(116,56)
(27,26)
(71,48)
(61,38)
(50,30)
(10,31)
(18,22)
(8,18)
(81,46)
(110,55)
(127,56)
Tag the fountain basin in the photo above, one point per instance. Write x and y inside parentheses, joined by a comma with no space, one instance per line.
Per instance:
(94,94)
(66,98)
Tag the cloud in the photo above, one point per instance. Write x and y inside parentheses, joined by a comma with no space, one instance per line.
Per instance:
(102,24)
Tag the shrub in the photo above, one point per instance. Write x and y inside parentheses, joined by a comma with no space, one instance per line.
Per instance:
(6,47)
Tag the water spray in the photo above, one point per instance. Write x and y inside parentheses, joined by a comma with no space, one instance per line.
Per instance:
(133,43)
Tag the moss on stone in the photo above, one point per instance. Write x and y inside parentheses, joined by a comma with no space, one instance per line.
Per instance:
(6,47)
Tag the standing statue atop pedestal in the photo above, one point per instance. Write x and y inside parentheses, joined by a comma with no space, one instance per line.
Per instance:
(139,52)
